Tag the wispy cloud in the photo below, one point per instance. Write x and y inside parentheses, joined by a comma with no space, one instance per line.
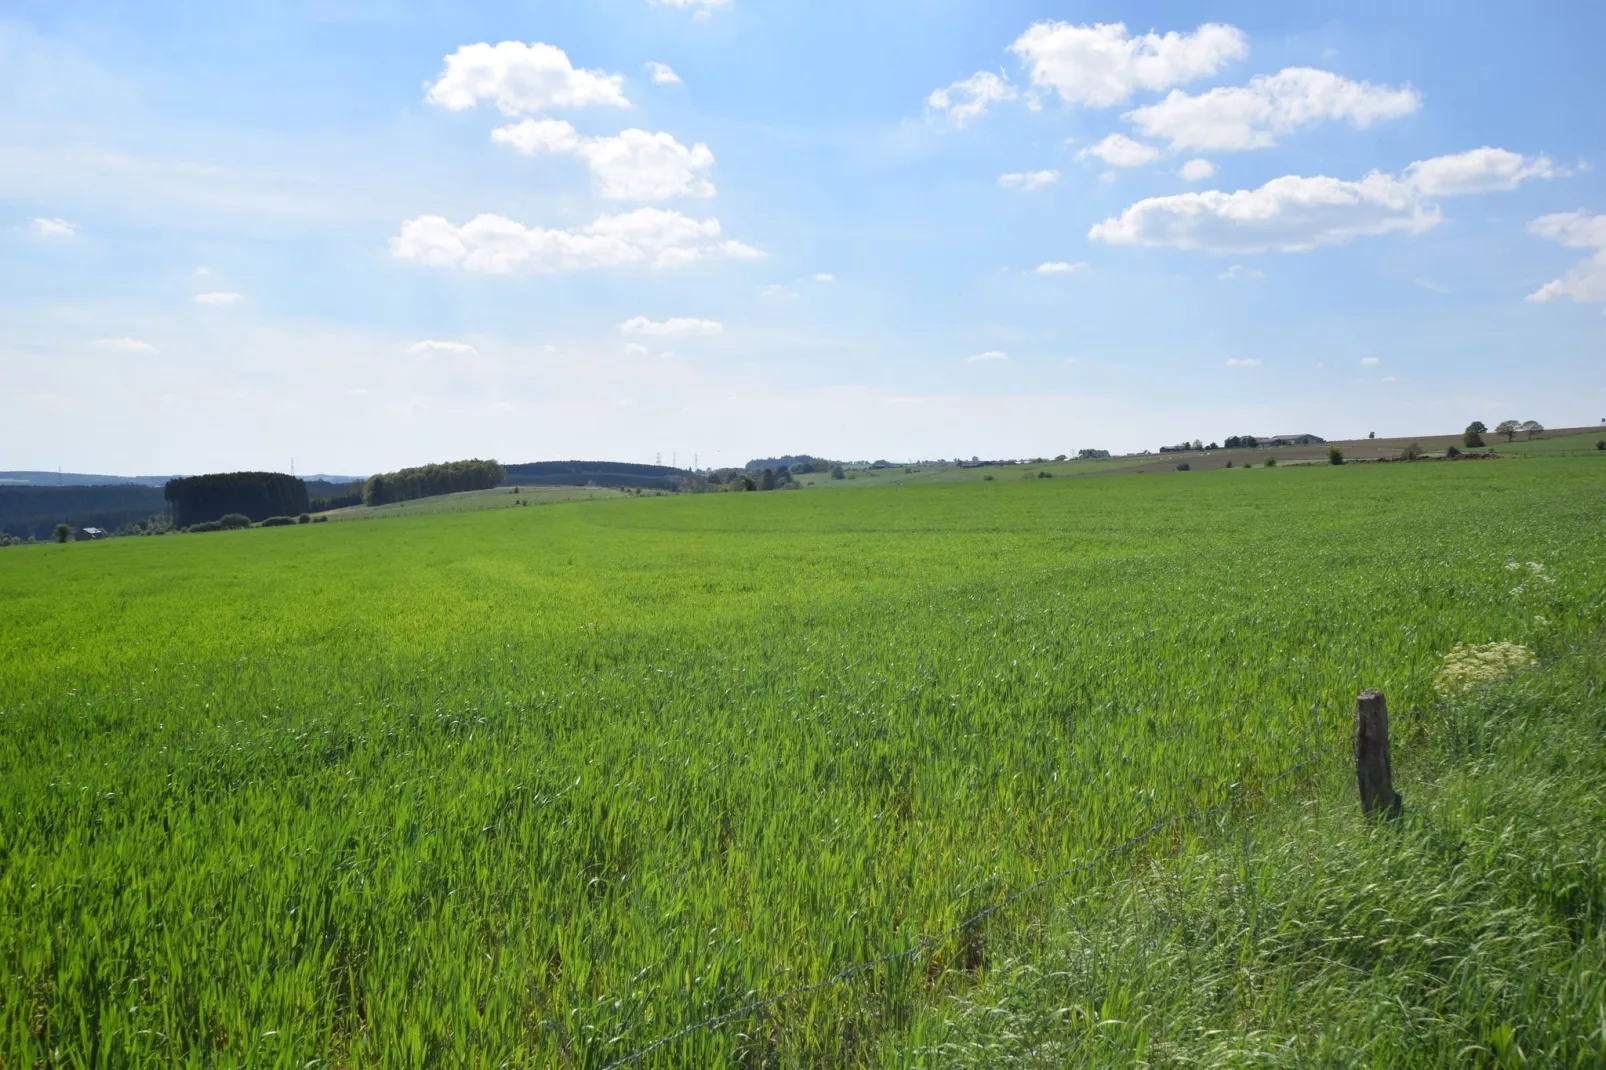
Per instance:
(991,354)
(219,297)
(1243,362)
(671,326)
(52,228)
(126,345)
(1061,267)
(430,345)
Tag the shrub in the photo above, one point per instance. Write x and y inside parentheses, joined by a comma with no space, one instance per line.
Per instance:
(304,518)
(1271,462)
(1229,464)
(1452,453)
(1413,451)
(205,525)
(62,533)
(1184,467)
(837,473)
(987,479)
(1472,437)
(233,521)
(320,520)
(1467,668)
(1335,455)
(1601,444)
(1045,475)
(278,522)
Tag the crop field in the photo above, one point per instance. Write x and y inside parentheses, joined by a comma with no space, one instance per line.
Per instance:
(469,501)
(538,787)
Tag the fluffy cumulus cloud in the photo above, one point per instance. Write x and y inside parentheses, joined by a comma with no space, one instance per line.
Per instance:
(1118,150)
(634,166)
(966,99)
(430,345)
(991,354)
(126,345)
(1060,267)
(1232,118)
(662,73)
(1289,214)
(219,297)
(1482,170)
(1028,180)
(672,326)
(1102,65)
(1576,230)
(1197,170)
(521,79)
(497,245)
(52,228)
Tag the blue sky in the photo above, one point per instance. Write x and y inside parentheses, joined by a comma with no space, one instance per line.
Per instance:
(367,234)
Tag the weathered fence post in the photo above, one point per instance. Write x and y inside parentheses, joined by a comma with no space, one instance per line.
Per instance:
(1372,770)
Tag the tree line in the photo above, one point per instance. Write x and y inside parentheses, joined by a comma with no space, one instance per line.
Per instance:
(257,495)
(426,481)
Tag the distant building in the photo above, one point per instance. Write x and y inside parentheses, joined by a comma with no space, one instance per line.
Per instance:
(88,534)
(1293,440)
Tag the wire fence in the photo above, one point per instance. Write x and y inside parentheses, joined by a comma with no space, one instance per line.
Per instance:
(1108,854)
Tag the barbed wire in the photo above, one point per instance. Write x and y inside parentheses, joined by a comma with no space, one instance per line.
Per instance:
(1109,853)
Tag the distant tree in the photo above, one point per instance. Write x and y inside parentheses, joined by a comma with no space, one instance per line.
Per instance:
(1232,442)
(1509,428)
(1249,442)
(1452,453)
(62,533)
(1229,464)
(766,479)
(1212,446)
(1600,444)
(1184,467)
(1271,462)
(837,473)
(1533,427)
(432,479)
(207,525)
(1371,434)
(1061,457)
(1413,451)
(233,521)
(304,518)
(256,495)
(1335,455)
(1472,437)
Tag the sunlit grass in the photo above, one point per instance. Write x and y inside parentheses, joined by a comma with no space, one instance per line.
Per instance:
(502,785)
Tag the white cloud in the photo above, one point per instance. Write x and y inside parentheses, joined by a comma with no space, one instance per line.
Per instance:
(1370,362)
(634,349)
(1484,170)
(702,7)
(1118,150)
(1238,271)
(521,79)
(429,345)
(673,325)
(1100,65)
(1586,281)
(1387,379)
(824,276)
(1429,284)
(991,354)
(1294,213)
(497,245)
(219,297)
(1197,170)
(126,345)
(52,228)
(1242,362)
(1254,116)
(968,98)
(1028,180)
(635,165)
(663,73)
(1060,267)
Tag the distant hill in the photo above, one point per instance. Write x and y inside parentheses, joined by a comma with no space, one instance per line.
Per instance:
(789,461)
(602,473)
(27,511)
(76,479)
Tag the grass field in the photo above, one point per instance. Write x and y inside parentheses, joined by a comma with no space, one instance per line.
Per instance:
(538,786)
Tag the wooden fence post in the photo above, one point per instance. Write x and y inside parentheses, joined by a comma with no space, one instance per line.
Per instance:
(1372,770)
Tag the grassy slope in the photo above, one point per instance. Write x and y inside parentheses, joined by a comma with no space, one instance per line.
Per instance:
(1472,932)
(360,784)
(469,501)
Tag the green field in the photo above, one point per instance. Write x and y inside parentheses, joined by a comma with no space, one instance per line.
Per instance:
(539,786)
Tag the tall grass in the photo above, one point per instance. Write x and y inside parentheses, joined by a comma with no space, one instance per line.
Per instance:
(542,785)
(1472,932)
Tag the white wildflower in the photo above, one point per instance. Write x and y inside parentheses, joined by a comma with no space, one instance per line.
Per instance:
(1469,667)
(1512,566)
